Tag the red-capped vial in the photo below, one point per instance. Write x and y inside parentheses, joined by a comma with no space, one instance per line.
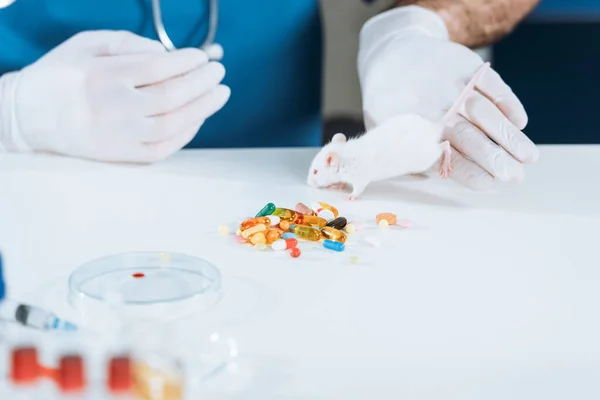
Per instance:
(24,365)
(120,374)
(71,374)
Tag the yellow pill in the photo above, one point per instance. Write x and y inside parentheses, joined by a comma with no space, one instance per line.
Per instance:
(350,228)
(239,232)
(354,260)
(256,228)
(223,229)
(258,238)
(333,234)
(165,257)
(285,225)
(330,208)
(261,246)
(384,223)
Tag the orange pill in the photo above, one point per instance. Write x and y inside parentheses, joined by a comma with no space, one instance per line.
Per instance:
(285,225)
(272,235)
(389,217)
(258,237)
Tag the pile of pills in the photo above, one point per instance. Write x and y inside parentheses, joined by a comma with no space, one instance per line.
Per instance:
(282,229)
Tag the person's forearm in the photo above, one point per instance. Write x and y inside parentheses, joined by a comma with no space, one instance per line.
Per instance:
(475,23)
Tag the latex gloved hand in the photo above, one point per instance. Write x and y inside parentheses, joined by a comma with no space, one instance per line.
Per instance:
(110,96)
(407,64)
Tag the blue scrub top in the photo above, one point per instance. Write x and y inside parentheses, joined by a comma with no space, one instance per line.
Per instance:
(272,57)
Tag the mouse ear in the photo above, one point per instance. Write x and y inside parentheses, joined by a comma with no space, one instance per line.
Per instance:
(332,159)
(338,138)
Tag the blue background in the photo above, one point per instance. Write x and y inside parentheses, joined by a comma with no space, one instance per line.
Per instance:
(552,62)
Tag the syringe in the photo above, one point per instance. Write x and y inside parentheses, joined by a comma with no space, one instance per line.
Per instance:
(30,316)
(33,317)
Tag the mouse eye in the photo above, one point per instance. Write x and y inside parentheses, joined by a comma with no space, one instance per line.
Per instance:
(315,171)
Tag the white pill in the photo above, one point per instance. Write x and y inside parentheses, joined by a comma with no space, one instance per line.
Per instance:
(279,244)
(274,220)
(327,215)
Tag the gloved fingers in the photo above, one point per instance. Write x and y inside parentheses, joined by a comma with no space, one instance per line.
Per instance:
(159,151)
(483,113)
(162,127)
(473,143)
(112,43)
(148,69)
(173,94)
(500,94)
(469,174)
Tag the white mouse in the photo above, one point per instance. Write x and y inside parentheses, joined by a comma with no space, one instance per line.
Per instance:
(405,144)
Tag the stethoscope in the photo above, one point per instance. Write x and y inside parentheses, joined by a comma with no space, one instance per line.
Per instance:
(212,49)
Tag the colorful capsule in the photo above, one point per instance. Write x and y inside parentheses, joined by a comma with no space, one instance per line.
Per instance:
(288,235)
(258,237)
(295,252)
(304,209)
(272,235)
(268,221)
(333,234)
(256,228)
(284,244)
(310,220)
(286,214)
(350,228)
(266,210)
(338,223)
(333,245)
(389,217)
(325,206)
(306,232)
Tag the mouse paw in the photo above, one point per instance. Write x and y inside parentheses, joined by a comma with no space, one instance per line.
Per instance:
(446,164)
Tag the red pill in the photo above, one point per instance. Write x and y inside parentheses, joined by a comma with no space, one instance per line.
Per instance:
(295,252)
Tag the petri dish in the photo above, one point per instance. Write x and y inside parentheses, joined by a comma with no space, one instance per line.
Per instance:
(144,286)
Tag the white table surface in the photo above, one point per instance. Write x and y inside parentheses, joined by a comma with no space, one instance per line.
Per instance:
(490,296)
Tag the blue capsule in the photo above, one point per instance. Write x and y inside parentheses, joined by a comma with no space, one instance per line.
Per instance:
(289,235)
(333,245)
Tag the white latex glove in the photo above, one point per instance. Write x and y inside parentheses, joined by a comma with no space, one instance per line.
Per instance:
(110,96)
(407,64)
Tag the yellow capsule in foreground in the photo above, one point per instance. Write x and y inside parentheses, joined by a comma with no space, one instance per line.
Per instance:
(306,232)
(333,234)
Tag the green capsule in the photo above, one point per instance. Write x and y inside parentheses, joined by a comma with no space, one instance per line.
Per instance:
(306,232)
(286,214)
(266,210)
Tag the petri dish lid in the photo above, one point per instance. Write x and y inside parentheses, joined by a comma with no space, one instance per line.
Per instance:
(144,285)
